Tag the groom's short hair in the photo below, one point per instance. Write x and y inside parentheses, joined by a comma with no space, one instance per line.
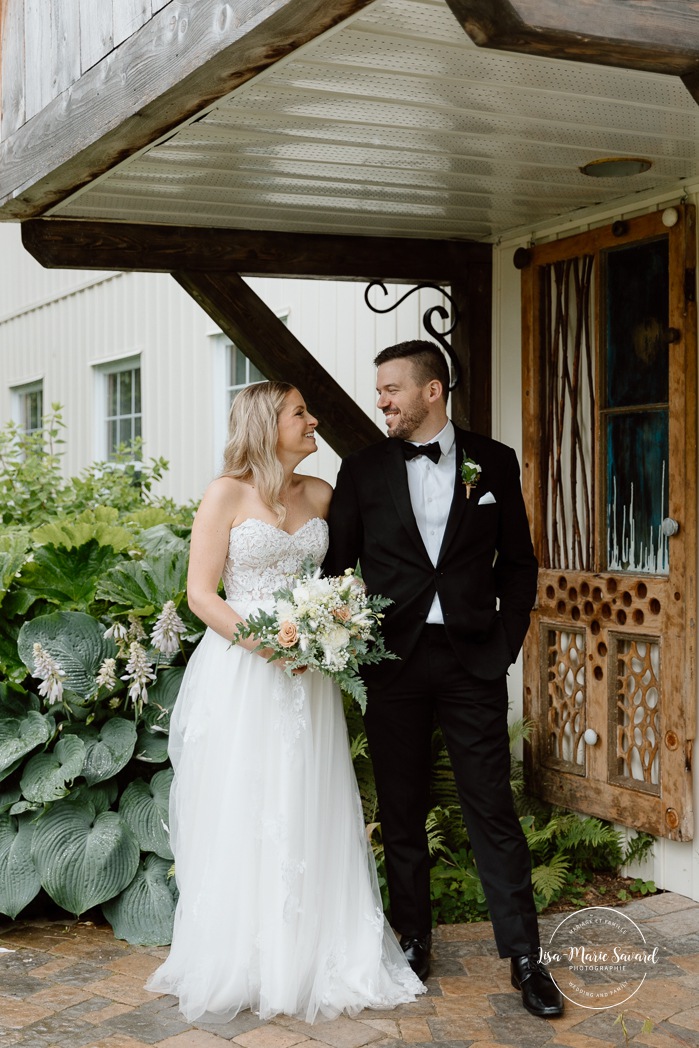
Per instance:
(426,357)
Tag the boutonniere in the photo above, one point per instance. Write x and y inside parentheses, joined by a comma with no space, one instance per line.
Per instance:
(470,472)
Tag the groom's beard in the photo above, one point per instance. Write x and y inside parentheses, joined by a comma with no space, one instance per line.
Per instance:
(409,420)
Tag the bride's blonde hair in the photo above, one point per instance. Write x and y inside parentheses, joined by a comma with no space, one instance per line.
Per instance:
(251,449)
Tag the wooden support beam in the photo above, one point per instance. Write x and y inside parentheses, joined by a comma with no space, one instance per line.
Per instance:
(471,401)
(658,36)
(186,57)
(271,347)
(61,243)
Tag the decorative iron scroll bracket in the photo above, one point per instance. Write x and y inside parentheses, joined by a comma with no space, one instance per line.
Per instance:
(438,336)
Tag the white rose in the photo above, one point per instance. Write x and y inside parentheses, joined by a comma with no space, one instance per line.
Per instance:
(300,594)
(335,639)
(285,611)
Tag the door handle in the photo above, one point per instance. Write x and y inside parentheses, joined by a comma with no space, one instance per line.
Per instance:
(669,527)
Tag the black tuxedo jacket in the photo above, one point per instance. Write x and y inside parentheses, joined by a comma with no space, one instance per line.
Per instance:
(486,572)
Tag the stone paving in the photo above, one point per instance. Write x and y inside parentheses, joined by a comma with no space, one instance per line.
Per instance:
(75,986)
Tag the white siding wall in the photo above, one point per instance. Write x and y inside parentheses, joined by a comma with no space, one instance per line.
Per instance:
(59,325)
(675,866)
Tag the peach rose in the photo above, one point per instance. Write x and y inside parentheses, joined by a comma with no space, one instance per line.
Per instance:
(342,614)
(288,634)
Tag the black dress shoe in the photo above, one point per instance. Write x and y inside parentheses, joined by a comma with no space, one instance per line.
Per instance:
(540,995)
(417,952)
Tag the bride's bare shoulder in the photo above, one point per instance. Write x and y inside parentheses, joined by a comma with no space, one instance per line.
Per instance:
(319,493)
(224,496)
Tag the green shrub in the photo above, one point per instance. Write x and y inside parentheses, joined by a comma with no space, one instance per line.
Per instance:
(94,634)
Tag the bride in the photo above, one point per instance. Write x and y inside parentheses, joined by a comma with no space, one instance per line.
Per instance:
(279,908)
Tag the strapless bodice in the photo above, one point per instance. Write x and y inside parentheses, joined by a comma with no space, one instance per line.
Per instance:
(262,558)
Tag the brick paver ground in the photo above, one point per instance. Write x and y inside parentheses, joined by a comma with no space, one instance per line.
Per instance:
(75,986)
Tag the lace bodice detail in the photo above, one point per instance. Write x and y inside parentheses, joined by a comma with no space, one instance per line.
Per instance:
(262,558)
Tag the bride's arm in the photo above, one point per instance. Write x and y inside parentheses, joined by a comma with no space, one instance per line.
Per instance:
(210,536)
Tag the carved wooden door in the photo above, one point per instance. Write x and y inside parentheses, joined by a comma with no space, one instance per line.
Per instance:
(609,475)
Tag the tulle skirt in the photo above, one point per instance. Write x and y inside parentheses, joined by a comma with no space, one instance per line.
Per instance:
(279,907)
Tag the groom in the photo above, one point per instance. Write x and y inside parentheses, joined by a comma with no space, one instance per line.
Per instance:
(459,567)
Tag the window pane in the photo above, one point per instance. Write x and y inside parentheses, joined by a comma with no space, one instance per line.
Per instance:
(637,491)
(112,394)
(125,430)
(136,389)
(240,367)
(125,385)
(37,408)
(637,306)
(255,374)
(137,426)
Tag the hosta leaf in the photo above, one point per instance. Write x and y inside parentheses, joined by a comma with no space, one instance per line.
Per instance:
(47,776)
(19,736)
(144,912)
(161,699)
(150,747)
(108,748)
(101,796)
(68,577)
(19,880)
(83,858)
(146,583)
(74,640)
(8,796)
(145,808)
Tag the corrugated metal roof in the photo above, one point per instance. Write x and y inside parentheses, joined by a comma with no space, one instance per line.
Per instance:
(395,123)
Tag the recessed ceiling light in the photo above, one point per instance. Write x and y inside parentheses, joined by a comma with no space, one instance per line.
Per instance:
(616,167)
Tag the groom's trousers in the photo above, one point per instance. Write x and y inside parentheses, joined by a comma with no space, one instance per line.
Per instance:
(472,714)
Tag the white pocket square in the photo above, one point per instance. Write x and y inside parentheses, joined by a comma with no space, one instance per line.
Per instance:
(487,500)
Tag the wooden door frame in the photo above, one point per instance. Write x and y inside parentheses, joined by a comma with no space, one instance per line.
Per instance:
(591,793)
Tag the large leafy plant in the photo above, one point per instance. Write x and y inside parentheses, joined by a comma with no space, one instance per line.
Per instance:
(94,634)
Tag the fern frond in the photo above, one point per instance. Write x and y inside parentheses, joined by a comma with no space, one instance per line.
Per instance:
(549,878)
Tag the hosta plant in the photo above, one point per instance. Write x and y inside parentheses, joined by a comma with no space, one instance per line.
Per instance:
(94,636)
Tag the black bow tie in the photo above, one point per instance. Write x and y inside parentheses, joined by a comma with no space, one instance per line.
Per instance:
(432,451)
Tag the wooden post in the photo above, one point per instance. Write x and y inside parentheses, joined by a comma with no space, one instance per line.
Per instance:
(471,405)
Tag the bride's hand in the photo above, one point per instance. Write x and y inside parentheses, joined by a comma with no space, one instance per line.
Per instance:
(282,663)
(265,653)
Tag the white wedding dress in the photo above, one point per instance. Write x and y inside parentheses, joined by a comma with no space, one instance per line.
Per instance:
(279,907)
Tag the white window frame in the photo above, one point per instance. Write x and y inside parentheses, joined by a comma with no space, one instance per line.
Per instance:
(103,370)
(18,392)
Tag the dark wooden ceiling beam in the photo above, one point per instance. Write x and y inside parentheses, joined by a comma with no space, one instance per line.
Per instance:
(658,36)
(268,343)
(60,243)
(186,57)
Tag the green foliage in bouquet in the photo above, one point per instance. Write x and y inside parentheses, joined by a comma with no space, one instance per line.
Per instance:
(327,624)
(94,634)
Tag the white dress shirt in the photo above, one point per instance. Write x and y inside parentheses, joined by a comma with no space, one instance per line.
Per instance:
(431,486)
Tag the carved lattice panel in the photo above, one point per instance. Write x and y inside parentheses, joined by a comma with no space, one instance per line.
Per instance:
(636,712)
(565,714)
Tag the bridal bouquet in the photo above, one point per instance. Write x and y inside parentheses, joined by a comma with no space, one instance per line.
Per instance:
(327,624)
